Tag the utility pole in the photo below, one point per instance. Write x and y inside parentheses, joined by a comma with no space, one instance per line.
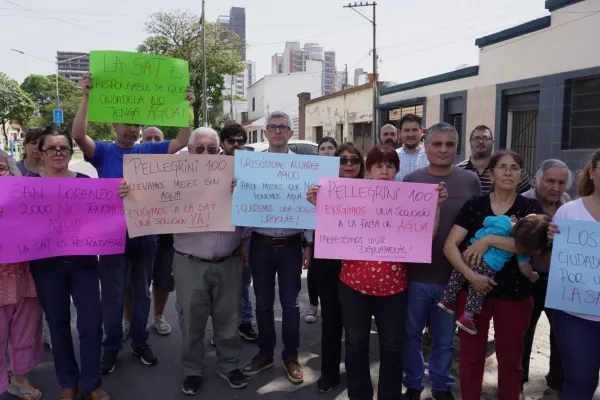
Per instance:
(204,94)
(346,75)
(354,7)
(231,102)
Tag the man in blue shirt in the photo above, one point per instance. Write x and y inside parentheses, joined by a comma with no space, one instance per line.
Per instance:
(139,254)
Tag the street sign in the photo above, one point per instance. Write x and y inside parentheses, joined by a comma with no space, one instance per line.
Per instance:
(58,116)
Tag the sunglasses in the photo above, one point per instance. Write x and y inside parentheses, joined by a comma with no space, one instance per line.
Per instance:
(209,149)
(351,160)
(232,141)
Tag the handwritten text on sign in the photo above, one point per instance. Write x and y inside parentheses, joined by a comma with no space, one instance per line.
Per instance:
(574,281)
(178,194)
(271,188)
(136,88)
(49,217)
(375,220)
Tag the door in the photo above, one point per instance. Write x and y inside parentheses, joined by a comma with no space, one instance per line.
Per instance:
(522,127)
(362,137)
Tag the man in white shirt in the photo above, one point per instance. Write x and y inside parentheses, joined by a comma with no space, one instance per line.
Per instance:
(412,153)
(275,251)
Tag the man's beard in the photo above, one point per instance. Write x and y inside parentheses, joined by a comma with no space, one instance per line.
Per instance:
(411,146)
(391,142)
(481,154)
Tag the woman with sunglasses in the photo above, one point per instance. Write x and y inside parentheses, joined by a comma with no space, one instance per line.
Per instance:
(20,318)
(58,279)
(327,146)
(380,292)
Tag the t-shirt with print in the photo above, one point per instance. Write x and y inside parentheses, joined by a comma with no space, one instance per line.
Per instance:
(576,210)
(108,157)
(462,185)
(512,285)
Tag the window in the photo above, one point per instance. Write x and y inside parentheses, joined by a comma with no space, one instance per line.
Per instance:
(454,115)
(398,113)
(318,133)
(254,136)
(308,149)
(581,121)
(253,104)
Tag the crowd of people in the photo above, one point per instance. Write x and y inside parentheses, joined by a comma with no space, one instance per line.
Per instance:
(491,249)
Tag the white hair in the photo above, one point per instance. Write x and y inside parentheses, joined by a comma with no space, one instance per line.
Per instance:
(204,131)
(388,126)
(552,163)
(279,114)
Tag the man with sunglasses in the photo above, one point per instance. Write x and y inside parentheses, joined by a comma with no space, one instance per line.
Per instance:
(233,138)
(140,252)
(276,251)
(208,280)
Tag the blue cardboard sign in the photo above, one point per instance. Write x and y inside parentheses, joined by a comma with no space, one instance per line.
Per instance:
(271,188)
(574,281)
(58,116)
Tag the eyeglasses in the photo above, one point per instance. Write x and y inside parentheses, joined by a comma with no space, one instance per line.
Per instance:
(504,168)
(282,128)
(209,149)
(485,139)
(351,160)
(58,151)
(3,169)
(232,141)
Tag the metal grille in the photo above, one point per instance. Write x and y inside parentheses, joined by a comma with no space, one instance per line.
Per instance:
(524,136)
(318,133)
(398,113)
(362,137)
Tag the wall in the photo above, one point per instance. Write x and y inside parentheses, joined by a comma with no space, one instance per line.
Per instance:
(279,93)
(344,109)
(481,106)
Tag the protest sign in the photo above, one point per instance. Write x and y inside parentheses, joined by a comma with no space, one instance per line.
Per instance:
(271,188)
(50,217)
(136,88)
(574,281)
(359,219)
(177,193)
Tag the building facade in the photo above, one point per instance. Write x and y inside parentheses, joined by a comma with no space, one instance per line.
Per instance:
(534,87)
(72,65)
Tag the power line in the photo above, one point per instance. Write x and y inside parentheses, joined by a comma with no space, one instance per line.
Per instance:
(38,12)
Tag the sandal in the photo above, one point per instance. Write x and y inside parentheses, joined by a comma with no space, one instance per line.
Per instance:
(25,394)
(69,394)
(98,394)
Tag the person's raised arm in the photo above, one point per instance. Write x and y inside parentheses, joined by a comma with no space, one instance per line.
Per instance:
(79,130)
(184,133)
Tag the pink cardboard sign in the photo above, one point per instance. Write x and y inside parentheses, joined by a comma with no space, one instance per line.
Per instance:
(368,220)
(50,217)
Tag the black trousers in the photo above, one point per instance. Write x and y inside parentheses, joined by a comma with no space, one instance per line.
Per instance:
(325,276)
(390,313)
(556,374)
(313,295)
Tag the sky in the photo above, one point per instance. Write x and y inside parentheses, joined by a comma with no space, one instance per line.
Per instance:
(415,39)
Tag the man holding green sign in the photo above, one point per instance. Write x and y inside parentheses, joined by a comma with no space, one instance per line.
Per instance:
(129,90)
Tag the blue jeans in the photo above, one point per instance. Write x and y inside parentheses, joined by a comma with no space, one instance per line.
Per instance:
(246,315)
(56,281)
(422,305)
(139,256)
(579,346)
(285,262)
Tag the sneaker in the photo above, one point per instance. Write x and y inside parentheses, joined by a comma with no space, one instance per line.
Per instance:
(257,365)
(324,384)
(466,325)
(161,325)
(46,336)
(294,370)
(449,308)
(247,331)
(412,394)
(442,395)
(145,354)
(235,378)
(108,362)
(191,385)
(126,330)
(311,314)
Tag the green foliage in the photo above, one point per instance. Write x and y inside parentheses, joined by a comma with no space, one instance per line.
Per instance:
(42,90)
(15,104)
(236,97)
(178,34)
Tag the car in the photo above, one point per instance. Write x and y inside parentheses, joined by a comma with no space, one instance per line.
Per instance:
(305,147)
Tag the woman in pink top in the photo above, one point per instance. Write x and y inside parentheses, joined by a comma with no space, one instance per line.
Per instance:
(578,335)
(20,318)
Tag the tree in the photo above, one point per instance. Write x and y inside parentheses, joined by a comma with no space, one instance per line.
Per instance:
(178,34)
(15,104)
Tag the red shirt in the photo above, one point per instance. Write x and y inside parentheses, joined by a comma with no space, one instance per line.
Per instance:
(374,278)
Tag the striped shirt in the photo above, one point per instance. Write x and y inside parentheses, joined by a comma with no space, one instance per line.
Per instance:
(486,183)
(411,162)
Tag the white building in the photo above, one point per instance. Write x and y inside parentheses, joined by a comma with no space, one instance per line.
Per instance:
(279,92)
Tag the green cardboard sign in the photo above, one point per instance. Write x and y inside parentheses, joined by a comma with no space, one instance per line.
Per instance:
(136,88)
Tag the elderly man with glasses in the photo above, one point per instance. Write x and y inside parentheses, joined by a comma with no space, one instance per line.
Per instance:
(482,148)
